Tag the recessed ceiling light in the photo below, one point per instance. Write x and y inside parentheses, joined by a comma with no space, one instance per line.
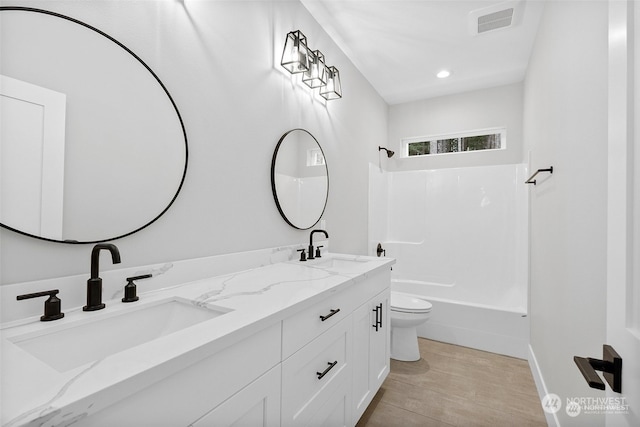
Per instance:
(443,74)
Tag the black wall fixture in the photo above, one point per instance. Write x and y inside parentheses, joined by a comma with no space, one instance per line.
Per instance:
(533,181)
(389,152)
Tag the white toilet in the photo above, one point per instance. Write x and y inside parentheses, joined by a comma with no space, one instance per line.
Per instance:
(407,313)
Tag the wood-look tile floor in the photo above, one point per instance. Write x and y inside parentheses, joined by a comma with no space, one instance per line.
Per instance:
(456,386)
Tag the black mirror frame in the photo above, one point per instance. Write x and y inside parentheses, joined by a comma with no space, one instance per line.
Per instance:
(273,180)
(175,107)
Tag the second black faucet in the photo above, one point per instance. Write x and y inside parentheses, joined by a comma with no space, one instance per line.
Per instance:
(310,256)
(94,284)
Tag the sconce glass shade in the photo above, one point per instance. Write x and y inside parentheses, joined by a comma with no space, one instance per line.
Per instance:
(316,75)
(295,57)
(333,88)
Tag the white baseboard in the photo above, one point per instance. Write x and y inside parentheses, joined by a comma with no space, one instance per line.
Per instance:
(552,419)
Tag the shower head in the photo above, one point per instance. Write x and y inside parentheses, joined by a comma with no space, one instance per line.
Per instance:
(389,152)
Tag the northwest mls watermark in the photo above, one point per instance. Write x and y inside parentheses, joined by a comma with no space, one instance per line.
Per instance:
(574,406)
(596,405)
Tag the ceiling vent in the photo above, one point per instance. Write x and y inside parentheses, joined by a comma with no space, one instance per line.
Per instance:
(495,20)
(495,17)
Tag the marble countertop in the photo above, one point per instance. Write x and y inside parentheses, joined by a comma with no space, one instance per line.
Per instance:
(34,393)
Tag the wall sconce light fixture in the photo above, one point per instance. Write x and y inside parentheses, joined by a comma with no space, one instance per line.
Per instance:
(333,88)
(295,57)
(299,58)
(316,75)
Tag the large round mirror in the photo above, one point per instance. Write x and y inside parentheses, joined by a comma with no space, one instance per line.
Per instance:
(299,179)
(92,146)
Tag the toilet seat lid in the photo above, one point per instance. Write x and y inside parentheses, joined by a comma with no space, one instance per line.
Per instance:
(409,304)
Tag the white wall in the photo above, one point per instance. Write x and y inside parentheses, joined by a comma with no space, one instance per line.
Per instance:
(565,126)
(217,58)
(494,107)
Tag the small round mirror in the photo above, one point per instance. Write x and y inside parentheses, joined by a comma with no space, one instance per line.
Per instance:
(299,179)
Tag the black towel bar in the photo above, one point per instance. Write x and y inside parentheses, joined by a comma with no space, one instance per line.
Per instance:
(533,181)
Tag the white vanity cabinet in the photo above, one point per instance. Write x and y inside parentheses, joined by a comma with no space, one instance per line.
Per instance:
(371,350)
(307,324)
(335,361)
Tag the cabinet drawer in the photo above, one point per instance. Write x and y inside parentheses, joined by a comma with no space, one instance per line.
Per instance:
(303,327)
(315,373)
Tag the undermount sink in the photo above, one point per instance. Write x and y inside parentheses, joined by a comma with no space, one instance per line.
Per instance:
(78,343)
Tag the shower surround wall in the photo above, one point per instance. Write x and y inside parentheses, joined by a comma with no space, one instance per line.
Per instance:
(460,239)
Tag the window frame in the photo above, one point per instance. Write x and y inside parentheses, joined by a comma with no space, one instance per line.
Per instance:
(432,139)
(315,157)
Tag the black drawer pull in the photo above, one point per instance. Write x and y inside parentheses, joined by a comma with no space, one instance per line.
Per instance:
(326,371)
(378,311)
(376,325)
(331,313)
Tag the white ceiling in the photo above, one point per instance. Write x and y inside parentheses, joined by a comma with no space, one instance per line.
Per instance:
(400,45)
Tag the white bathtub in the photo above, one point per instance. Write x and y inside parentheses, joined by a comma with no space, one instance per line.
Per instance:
(485,327)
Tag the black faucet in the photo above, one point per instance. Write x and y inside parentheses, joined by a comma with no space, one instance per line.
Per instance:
(310,256)
(94,284)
